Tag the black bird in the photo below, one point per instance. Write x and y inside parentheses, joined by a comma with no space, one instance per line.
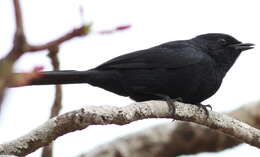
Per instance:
(188,69)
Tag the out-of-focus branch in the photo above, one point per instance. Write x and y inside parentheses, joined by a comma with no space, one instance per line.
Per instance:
(102,115)
(21,46)
(81,31)
(18,16)
(116,29)
(53,54)
(15,54)
(56,107)
(6,64)
(22,79)
(180,138)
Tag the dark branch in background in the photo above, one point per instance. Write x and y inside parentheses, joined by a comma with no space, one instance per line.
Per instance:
(81,31)
(19,42)
(103,115)
(23,79)
(53,54)
(56,107)
(18,17)
(21,46)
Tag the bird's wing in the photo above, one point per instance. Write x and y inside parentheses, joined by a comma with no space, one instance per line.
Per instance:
(162,56)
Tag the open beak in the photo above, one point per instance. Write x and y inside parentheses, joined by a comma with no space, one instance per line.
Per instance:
(242,46)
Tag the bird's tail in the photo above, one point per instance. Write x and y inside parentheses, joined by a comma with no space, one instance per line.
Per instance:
(61,77)
(109,80)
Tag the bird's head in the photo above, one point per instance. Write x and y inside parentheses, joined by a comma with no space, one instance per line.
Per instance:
(223,48)
(215,42)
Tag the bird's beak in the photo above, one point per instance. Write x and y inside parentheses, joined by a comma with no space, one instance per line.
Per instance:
(242,46)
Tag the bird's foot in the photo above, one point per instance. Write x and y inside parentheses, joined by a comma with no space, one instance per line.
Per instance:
(170,102)
(205,108)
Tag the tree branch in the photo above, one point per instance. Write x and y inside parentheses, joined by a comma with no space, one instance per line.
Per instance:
(20,42)
(18,16)
(102,115)
(81,31)
(56,107)
(6,64)
(181,138)
(21,46)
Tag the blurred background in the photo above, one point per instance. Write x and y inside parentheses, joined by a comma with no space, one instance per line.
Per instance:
(153,22)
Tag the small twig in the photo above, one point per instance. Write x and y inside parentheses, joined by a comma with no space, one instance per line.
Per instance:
(81,14)
(47,150)
(57,102)
(18,16)
(116,29)
(81,31)
(20,42)
(103,115)
(56,107)
(53,55)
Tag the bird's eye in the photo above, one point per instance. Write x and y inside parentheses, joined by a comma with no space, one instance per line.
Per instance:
(222,41)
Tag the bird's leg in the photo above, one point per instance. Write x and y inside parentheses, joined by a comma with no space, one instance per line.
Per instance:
(170,102)
(204,107)
(155,96)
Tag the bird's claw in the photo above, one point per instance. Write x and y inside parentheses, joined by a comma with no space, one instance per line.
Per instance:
(171,104)
(204,107)
(208,106)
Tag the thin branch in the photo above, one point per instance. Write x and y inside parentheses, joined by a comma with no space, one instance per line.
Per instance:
(103,115)
(56,107)
(18,16)
(20,42)
(81,31)
(47,150)
(116,29)
(53,55)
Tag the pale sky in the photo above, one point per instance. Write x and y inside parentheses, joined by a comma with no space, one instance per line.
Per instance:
(153,22)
